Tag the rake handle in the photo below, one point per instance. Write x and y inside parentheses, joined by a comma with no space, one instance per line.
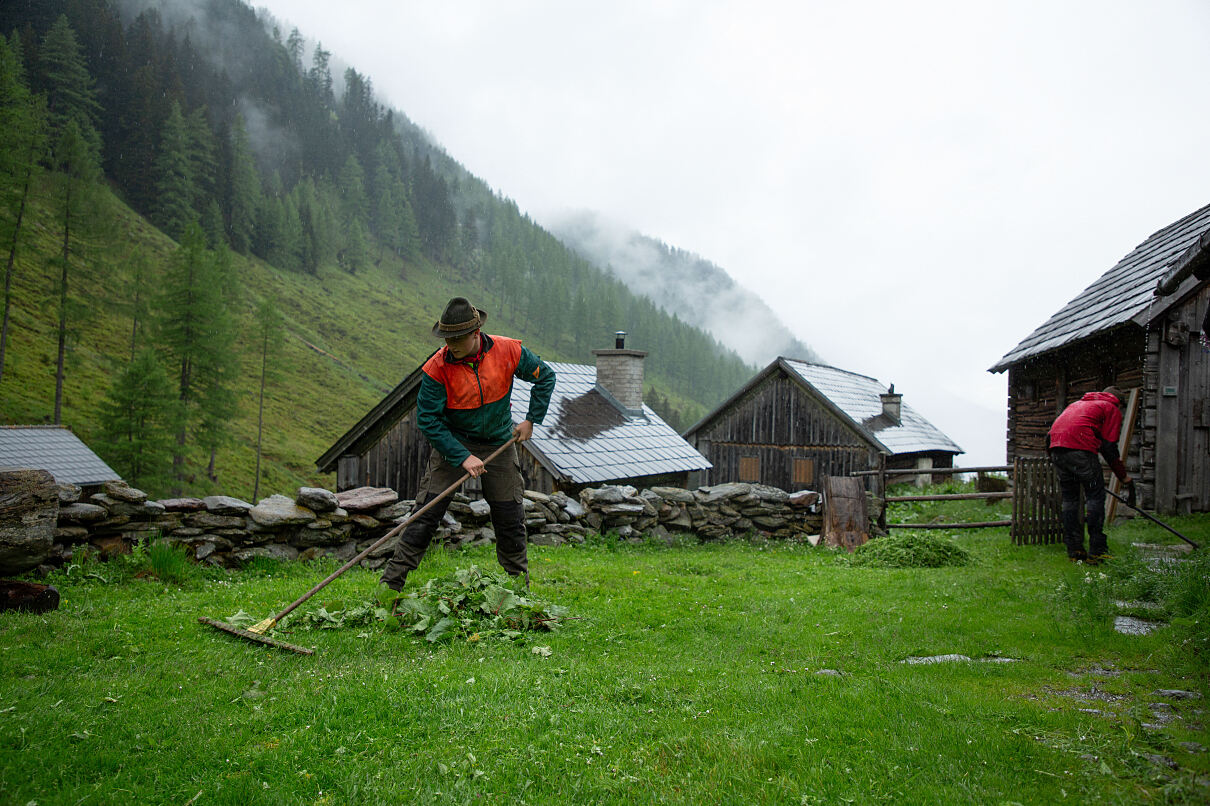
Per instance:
(380,541)
(1153,519)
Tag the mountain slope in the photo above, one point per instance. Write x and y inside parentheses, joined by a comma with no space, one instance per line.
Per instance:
(354,329)
(684,284)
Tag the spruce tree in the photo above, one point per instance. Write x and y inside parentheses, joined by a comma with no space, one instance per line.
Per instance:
(243,192)
(174,180)
(64,76)
(202,151)
(196,331)
(138,417)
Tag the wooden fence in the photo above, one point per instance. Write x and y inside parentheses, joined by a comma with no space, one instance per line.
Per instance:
(1037,505)
(1034,490)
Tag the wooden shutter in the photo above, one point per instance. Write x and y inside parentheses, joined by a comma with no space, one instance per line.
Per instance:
(803,473)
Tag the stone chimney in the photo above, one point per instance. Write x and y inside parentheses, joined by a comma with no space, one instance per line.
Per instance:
(620,375)
(892,404)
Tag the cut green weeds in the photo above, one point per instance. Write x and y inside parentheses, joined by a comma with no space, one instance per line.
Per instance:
(469,604)
(911,550)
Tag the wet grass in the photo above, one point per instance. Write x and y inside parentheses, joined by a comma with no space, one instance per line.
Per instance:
(738,672)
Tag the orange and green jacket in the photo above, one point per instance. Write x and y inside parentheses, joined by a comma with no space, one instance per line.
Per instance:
(469,400)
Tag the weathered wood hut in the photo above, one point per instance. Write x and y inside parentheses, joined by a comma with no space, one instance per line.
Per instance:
(1141,326)
(797,422)
(596,431)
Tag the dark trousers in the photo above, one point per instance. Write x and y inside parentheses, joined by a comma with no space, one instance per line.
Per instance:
(1081,470)
(503,487)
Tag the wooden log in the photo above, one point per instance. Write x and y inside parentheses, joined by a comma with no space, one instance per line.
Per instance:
(29,597)
(846,518)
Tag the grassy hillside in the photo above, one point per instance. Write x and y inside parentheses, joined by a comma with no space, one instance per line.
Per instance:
(350,339)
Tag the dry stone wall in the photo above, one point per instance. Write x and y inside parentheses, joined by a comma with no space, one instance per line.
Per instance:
(228,531)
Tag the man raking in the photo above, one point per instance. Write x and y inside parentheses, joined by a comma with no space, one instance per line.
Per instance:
(1086,428)
(463,409)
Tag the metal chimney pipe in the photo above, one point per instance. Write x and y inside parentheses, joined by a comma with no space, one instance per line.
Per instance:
(619,340)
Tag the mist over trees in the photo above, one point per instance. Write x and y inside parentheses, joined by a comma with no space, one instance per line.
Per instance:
(236,138)
(682,282)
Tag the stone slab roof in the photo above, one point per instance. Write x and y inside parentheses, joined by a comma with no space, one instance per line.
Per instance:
(54,448)
(586,439)
(859,398)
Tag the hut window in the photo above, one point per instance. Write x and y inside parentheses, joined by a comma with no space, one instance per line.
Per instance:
(803,473)
(749,468)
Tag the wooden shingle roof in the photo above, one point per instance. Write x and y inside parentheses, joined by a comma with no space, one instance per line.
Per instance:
(1124,294)
(56,449)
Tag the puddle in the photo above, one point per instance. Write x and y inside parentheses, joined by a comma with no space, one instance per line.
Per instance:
(1129,625)
(956,658)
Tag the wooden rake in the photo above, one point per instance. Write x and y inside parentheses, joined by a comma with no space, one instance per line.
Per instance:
(257,631)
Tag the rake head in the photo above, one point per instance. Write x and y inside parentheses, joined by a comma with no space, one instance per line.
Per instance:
(248,635)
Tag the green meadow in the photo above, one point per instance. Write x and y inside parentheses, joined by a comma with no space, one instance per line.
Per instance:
(733,672)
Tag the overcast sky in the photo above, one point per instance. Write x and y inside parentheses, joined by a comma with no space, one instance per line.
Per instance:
(912,186)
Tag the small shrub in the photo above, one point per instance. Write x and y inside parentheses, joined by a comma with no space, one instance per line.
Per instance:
(911,550)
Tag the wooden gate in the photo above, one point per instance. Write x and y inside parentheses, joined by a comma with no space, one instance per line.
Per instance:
(1037,504)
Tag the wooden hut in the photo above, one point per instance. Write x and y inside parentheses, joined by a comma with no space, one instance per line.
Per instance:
(1140,326)
(797,422)
(596,431)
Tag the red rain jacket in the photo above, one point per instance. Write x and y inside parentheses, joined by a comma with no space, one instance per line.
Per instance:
(1087,423)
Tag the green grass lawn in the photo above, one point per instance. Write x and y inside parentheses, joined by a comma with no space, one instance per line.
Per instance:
(731,673)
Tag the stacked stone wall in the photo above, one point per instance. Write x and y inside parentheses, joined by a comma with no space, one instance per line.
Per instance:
(228,531)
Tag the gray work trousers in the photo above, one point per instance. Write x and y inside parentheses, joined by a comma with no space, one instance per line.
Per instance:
(503,487)
(1081,470)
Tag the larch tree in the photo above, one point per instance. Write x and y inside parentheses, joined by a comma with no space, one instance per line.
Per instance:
(22,145)
(77,172)
(269,337)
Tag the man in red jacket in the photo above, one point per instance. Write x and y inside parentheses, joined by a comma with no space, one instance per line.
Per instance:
(1087,427)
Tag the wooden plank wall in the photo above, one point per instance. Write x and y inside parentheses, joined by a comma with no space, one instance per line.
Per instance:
(1039,390)
(1175,433)
(777,422)
(398,459)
